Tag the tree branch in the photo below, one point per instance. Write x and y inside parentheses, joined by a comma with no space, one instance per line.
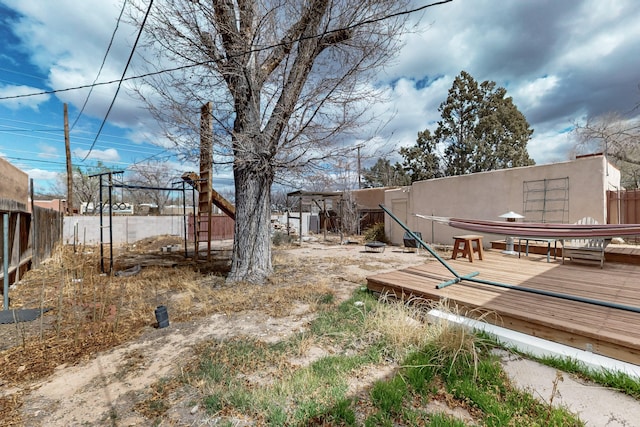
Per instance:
(311,14)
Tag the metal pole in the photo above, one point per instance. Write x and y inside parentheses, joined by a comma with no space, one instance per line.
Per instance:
(558,295)
(184,216)
(196,255)
(110,224)
(5,259)
(359,170)
(419,240)
(34,228)
(101,231)
(470,277)
(300,222)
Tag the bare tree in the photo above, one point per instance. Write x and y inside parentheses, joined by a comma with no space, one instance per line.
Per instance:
(86,188)
(288,78)
(616,136)
(152,176)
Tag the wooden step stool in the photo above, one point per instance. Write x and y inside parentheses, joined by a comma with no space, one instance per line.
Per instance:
(463,245)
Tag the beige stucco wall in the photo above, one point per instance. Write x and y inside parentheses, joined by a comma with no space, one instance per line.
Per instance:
(14,184)
(370,198)
(487,195)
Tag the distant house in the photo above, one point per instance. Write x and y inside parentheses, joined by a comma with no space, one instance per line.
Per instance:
(14,187)
(118,208)
(59,205)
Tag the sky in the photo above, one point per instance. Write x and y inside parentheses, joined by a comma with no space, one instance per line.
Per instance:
(560,61)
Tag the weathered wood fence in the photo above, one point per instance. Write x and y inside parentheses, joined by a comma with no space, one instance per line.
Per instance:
(623,207)
(222,227)
(26,238)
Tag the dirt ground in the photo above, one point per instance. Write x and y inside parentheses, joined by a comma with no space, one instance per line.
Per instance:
(101,384)
(97,355)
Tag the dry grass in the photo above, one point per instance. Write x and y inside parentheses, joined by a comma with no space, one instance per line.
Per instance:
(92,312)
(402,324)
(407,326)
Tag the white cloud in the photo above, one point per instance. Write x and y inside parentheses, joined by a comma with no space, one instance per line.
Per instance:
(530,94)
(32,102)
(41,174)
(108,155)
(47,151)
(550,146)
(559,60)
(73,57)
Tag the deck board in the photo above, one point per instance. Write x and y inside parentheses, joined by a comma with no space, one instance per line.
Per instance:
(609,331)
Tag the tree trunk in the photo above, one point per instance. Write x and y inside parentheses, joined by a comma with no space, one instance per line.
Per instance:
(252,242)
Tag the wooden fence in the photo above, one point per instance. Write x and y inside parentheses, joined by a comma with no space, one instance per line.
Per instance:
(47,232)
(222,227)
(28,238)
(623,207)
(369,218)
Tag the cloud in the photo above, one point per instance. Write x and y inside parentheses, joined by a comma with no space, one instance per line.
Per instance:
(32,102)
(47,151)
(72,58)
(40,174)
(108,155)
(558,60)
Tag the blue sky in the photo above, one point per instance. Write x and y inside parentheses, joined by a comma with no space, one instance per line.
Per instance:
(561,61)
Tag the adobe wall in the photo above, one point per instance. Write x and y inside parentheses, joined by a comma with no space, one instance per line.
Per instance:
(370,198)
(487,195)
(14,185)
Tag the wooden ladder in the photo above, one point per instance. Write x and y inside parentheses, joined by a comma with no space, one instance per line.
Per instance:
(203,216)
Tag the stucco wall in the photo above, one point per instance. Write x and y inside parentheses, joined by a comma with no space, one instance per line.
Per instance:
(126,229)
(487,195)
(15,183)
(369,198)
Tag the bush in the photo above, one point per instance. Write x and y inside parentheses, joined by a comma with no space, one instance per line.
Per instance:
(376,233)
(280,238)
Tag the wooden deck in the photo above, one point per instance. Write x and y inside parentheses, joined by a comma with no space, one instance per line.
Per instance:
(612,332)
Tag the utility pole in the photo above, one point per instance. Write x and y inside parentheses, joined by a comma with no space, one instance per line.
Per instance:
(67,147)
(359,174)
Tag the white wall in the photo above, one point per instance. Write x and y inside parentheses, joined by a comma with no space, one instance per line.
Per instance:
(126,229)
(294,223)
(487,195)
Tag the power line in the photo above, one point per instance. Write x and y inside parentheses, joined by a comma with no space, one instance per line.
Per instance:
(104,59)
(126,67)
(31,130)
(53,129)
(254,50)
(125,147)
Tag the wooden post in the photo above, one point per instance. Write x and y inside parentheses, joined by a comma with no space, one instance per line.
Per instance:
(67,147)
(206,169)
(35,255)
